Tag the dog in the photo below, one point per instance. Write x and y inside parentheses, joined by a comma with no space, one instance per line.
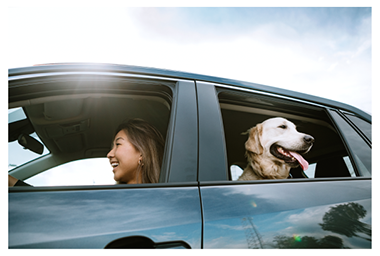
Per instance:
(273,148)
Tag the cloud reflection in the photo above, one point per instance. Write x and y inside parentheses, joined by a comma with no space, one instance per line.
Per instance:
(105,214)
(282,214)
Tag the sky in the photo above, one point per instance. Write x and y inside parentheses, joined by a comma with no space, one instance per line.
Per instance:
(325,52)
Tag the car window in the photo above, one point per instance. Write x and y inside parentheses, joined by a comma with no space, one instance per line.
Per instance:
(92,171)
(360,149)
(241,111)
(235,171)
(364,126)
(77,129)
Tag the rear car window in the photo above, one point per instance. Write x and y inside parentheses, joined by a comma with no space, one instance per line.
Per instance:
(329,156)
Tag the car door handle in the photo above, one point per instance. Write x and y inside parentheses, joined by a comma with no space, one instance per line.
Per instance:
(142,242)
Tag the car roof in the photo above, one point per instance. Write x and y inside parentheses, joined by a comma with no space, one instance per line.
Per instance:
(138,70)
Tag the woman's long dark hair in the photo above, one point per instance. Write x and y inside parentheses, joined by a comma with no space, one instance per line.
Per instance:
(150,143)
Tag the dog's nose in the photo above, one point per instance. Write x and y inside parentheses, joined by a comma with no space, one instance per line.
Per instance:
(308,139)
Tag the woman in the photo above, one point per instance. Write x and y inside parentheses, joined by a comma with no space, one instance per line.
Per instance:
(136,153)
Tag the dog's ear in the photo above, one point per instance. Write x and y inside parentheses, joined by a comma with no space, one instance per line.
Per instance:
(253,143)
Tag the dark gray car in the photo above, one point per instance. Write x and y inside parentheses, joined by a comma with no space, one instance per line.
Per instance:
(67,113)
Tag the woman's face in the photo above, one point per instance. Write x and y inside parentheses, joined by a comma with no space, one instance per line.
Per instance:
(124,158)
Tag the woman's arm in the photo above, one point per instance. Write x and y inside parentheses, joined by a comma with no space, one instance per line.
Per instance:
(11,181)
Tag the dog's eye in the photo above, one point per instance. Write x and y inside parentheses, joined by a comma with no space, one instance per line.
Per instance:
(282,126)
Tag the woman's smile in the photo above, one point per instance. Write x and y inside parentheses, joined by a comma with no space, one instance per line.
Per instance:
(114,164)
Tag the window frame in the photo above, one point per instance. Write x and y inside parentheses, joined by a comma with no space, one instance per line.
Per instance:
(350,118)
(346,141)
(218,88)
(182,115)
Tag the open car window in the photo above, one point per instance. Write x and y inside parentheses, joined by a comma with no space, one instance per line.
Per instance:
(329,156)
(76,129)
(91,171)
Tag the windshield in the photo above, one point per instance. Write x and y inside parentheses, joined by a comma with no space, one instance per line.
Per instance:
(17,155)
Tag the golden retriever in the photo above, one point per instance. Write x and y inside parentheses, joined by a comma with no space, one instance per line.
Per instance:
(273,147)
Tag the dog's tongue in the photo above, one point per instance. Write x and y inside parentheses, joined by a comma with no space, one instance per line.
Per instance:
(304,164)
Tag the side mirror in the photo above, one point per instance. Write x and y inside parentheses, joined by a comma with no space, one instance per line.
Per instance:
(30,143)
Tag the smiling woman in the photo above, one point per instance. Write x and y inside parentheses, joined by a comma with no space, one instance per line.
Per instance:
(137,152)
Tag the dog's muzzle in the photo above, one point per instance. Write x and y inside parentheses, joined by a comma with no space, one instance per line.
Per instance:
(292,157)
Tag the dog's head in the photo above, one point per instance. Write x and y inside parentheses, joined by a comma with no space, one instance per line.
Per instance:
(278,140)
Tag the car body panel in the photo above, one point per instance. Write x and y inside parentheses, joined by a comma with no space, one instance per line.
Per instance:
(212,149)
(93,218)
(261,215)
(184,155)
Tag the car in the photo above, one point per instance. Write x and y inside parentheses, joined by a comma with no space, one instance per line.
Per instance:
(62,119)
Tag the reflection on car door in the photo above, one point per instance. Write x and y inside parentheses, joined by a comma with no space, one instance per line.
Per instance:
(94,218)
(316,214)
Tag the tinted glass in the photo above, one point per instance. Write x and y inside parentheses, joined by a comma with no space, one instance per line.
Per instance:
(364,126)
(359,148)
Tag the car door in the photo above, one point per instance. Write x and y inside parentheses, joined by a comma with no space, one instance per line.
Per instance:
(313,212)
(105,217)
(161,215)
